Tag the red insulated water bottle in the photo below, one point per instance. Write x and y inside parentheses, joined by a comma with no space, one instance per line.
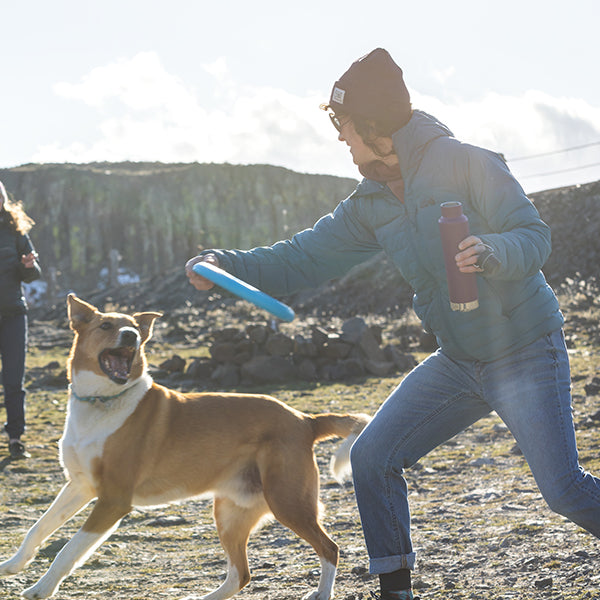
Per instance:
(454,228)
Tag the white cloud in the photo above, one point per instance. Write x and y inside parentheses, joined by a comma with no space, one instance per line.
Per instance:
(442,76)
(531,124)
(147,114)
(218,69)
(140,83)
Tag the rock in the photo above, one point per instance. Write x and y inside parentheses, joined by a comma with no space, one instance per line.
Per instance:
(543,583)
(380,368)
(402,361)
(319,336)
(306,370)
(228,334)
(167,521)
(304,348)
(336,349)
(482,461)
(593,387)
(268,369)
(328,355)
(352,329)
(279,344)
(175,364)
(49,379)
(244,350)
(377,332)
(258,333)
(516,450)
(420,584)
(346,369)
(369,345)
(223,351)
(595,416)
(427,342)
(226,375)
(482,495)
(200,368)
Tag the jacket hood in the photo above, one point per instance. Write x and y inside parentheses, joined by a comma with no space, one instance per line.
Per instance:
(369,186)
(411,140)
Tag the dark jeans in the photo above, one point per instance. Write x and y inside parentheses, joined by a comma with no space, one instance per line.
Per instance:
(13,345)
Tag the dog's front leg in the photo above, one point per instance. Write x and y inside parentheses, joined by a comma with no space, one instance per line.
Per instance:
(103,520)
(325,590)
(71,499)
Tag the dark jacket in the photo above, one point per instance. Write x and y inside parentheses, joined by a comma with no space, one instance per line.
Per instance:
(516,306)
(13,273)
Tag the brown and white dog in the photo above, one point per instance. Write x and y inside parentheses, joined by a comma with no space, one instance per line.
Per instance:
(131,442)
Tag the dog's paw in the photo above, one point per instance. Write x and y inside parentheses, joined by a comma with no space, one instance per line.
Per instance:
(33,593)
(317,595)
(11,566)
(39,591)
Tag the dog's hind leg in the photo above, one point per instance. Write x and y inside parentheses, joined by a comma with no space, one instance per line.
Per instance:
(71,499)
(234,524)
(103,520)
(292,495)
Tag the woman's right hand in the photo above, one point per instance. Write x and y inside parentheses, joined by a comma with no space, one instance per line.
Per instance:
(199,282)
(28,260)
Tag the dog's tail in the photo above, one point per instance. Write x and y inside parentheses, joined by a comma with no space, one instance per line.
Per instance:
(346,426)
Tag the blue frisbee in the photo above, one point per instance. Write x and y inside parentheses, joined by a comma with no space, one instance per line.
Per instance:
(244,290)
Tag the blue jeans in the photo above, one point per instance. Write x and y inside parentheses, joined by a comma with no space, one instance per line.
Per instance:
(530,392)
(13,346)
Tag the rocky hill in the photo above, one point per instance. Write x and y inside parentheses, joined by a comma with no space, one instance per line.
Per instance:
(155,215)
(572,213)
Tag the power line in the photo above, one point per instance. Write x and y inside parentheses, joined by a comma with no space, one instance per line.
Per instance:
(561,171)
(554,152)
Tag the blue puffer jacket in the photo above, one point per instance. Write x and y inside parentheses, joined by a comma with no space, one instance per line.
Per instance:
(516,306)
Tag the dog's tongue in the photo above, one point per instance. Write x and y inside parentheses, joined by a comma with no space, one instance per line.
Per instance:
(118,365)
(115,363)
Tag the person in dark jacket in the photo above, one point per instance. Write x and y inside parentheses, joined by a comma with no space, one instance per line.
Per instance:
(18,264)
(506,355)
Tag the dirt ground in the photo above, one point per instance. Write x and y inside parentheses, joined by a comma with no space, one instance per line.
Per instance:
(480,527)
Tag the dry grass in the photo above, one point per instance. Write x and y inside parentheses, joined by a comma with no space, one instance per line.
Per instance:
(480,527)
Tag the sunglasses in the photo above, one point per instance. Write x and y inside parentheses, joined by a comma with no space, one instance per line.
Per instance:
(337,122)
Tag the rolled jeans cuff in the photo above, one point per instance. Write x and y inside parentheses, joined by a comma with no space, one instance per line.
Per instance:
(389,564)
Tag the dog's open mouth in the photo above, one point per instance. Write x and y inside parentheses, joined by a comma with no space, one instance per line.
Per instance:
(116,363)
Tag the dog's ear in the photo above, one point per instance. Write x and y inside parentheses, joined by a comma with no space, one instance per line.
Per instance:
(146,320)
(79,312)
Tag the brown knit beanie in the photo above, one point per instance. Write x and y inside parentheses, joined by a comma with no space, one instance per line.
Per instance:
(373,88)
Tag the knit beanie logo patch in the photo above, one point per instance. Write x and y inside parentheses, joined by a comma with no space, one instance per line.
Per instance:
(338,95)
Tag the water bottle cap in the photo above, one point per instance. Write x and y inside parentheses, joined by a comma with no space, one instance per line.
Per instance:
(451,209)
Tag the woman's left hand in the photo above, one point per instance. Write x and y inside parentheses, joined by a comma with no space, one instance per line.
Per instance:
(470,249)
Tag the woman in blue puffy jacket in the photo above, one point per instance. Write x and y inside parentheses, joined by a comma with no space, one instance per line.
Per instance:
(18,264)
(507,355)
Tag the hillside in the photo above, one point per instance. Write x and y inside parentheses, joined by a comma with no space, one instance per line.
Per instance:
(155,216)
(571,212)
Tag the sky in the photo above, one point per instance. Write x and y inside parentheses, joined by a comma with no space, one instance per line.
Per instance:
(241,81)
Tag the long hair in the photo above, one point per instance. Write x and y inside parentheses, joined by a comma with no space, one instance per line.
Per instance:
(17,216)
